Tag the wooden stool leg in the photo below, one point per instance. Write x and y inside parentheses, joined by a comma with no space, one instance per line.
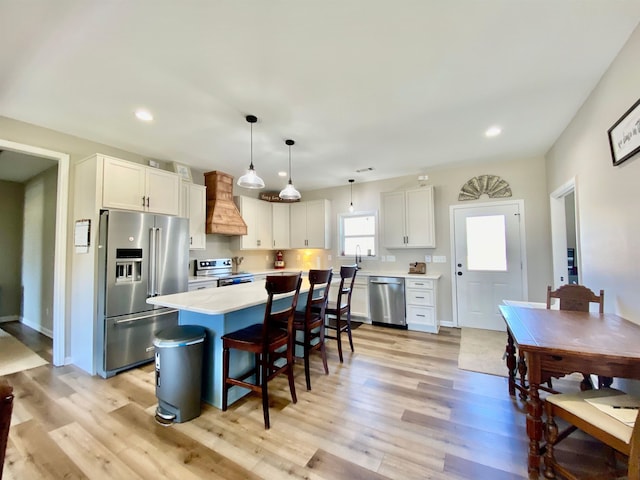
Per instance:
(338,339)
(292,385)
(307,354)
(323,350)
(349,329)
(225,376)
(264,381)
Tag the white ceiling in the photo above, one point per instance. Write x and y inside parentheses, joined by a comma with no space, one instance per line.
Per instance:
(403,86)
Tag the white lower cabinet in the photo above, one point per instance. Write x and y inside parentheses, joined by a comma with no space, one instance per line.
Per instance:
(360,299)
(420,298)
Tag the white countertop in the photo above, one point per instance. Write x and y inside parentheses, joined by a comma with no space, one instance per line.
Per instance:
(336,273)
(218,301)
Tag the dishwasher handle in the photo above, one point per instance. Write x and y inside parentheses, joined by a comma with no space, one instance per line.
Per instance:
(386,281)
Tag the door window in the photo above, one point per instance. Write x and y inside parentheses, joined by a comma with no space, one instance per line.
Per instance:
(487,243)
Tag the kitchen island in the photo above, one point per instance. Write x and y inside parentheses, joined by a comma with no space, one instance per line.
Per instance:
(220,311)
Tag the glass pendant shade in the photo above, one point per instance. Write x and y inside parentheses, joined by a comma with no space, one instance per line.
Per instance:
(289,192)
(351,207)
(251,178)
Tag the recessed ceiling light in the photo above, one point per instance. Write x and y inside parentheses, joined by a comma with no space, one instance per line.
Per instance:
(144,115)
(282,174)
(493,131)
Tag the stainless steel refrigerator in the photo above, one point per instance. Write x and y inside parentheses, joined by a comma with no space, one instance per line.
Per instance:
(140,255)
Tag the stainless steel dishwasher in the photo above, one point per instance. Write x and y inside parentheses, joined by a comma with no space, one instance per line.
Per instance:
(386,301)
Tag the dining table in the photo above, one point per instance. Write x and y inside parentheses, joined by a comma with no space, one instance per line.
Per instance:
(559,342)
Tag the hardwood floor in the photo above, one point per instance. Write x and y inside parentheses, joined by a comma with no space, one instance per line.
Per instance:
(398,408)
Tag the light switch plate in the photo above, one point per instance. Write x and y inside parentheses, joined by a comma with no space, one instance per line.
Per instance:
(391,258)
(427,258)
(329,257)
(439,259)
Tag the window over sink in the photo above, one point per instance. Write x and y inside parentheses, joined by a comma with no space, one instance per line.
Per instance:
(357,232)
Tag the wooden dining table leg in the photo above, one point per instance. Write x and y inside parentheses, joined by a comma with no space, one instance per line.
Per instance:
(510,351)
(534,417)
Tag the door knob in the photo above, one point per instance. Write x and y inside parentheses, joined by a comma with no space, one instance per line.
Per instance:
(459,274)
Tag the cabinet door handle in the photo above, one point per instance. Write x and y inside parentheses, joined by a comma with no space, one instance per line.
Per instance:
(147,202)
(419,297)
(420,315)
(143,198)
(190,240)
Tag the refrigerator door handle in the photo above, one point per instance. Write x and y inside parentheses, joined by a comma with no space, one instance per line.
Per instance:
(156,260)
(142,317)
(151,288)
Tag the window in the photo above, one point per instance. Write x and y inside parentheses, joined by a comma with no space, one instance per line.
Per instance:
(358,230)
(487,243)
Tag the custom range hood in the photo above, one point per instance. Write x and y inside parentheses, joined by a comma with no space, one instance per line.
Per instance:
(222,214)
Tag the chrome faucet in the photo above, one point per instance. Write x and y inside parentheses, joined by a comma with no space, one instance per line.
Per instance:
(358,256)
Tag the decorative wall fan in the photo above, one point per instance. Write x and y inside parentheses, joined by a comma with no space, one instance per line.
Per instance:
(492,185)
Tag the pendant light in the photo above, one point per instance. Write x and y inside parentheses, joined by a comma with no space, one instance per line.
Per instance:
(251,178)
(289,192)
(351,180)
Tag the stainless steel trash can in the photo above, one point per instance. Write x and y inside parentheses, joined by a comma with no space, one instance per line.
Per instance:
(178,353)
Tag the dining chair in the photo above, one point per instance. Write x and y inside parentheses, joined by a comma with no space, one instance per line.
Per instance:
(310,321)
(341,309)
(6,407)
(579,298)
(580,414)
(269,341)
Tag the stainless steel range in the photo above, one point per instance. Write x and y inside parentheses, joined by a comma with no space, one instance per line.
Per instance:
(221,269)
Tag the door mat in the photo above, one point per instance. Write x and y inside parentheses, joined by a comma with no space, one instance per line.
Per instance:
(482,351)
(15,356)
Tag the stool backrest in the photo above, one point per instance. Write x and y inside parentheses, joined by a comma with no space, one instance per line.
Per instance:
(575,297)
(318,303)
(347,278)
(277,285)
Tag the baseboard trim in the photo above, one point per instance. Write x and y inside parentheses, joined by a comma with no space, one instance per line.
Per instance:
(45,331)
(9,318)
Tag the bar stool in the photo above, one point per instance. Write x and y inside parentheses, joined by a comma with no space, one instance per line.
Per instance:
(269,341)
(342,307)
(311,321)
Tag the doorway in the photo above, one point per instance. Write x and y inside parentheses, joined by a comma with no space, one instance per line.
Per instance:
(59,273)
(565,241)
(488,261)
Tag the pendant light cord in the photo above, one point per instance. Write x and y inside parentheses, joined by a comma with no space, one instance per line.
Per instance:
(251,148)
(290,182)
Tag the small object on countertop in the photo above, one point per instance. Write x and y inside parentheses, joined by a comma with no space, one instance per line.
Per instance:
(418,267)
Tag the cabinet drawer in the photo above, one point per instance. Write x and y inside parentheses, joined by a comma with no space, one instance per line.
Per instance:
(419,297)
(421,315)
(415,283)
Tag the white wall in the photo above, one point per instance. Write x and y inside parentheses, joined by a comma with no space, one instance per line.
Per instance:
(527,180)
(606,196)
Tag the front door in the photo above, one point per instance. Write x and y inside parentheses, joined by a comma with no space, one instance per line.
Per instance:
(488,262)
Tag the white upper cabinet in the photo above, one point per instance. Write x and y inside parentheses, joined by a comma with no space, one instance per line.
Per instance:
(280,223)
(132,186)
(257,215)
(194,207)
(310,226)
(408,219)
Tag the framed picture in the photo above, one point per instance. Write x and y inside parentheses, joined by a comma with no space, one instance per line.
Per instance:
(183,171)
(624,135)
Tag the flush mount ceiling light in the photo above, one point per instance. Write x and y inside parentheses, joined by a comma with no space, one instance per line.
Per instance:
(351,180)
(251,178)
(289,192)
(144,115)
(493,131)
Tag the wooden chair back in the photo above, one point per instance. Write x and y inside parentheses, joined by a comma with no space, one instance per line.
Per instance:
(575,297)
(317,304)
(347,279)
(6,407)
(277,285)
